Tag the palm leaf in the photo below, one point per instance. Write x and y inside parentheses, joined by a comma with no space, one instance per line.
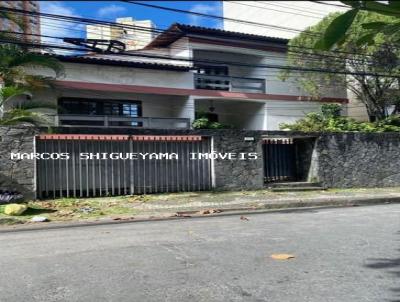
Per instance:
(13,18)
(33,59)
(34,105)
(20,116)
(336,31)
(7,93)
(381,8)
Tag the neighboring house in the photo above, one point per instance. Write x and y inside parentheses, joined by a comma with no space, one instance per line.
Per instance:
(144,89)
(285,19)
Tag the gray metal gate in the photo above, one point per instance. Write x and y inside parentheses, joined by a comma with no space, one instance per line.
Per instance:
(80,176)
(279,159)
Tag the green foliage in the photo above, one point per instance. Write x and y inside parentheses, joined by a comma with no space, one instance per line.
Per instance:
(340,25)
(15,96)
(204,123)
(331,110)
(336,31)
(372,69)
(13,63)
(330,121)
(27,112)
(14,19)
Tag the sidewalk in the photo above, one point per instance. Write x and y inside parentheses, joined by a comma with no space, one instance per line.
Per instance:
(72,211)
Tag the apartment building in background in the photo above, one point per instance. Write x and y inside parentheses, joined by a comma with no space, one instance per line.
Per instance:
(136,34)
(31,24)
(284,19)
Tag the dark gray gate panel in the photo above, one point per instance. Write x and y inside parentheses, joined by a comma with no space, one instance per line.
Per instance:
(76,177)
(279,159)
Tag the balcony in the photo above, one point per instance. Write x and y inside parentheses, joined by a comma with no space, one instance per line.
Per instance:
(72,120)
(228,83)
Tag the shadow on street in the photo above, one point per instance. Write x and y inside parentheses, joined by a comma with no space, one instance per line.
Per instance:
(389,266)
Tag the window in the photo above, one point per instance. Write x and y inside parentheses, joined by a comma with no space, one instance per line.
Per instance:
(99,107)
(212,77)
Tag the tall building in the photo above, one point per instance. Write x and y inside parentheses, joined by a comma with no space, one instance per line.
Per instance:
(31,24)
(283,19)
(136,34)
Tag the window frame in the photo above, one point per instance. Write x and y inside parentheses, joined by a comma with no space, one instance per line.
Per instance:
(100,105)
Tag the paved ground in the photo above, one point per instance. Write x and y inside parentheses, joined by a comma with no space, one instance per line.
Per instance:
(344,254)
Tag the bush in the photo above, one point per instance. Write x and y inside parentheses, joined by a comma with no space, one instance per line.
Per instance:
(329,120)
(204,123)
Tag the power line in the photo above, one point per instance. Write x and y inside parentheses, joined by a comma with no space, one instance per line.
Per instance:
(146,29)
(276,10)
(217,17)
(264,66)
(332,4)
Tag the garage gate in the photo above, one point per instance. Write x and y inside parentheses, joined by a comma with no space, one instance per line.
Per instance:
(124,174)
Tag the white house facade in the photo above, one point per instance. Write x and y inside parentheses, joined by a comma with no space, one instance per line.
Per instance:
(232,77)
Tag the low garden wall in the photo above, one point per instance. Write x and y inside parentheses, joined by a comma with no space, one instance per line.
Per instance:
(342,160)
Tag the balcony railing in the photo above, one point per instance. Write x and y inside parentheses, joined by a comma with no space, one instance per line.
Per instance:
(121,121)
(227,83)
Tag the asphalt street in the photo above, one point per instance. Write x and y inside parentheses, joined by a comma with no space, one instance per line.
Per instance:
(343,254)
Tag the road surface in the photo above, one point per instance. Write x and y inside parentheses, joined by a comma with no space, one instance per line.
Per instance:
(344,254)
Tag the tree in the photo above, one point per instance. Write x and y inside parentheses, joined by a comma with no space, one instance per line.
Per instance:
(17,21)
(22,112)
(16,82)
(337,30)
(372,70)
(329,120)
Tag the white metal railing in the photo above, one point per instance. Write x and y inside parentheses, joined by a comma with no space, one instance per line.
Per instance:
(227,83)
(121,121)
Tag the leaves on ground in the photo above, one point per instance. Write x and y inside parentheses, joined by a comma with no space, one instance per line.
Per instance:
(282,256)
(209,211)
(181,215)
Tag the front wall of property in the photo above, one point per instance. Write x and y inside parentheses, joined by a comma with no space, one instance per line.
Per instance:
(358,159)
(336,160)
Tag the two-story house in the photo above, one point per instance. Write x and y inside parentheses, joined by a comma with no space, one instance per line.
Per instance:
(231,77)
(185,70)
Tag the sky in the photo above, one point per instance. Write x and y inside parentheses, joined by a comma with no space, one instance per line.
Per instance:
(109,10)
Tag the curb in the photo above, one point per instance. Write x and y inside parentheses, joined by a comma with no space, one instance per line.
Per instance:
(264,209)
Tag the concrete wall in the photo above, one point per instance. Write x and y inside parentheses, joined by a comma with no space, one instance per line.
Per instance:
(244,115)
(123,75)
(153,105)
(278,112)
(274,85)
